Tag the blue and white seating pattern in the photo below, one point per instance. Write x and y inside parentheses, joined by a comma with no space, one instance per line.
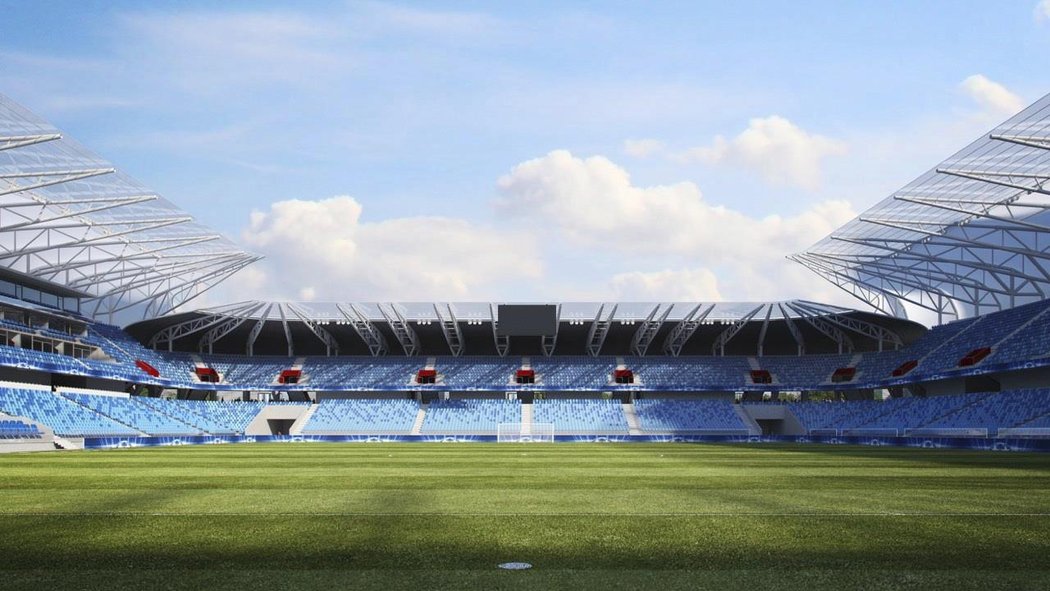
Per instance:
(64,416)
(656,415)
(18,430)
(135,413)
(364,417)
(469,416)
(581,416)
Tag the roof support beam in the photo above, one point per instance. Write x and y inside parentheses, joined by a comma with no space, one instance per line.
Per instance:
(844,343)
(365,328)
(11,142)
(64,176)
(249,348)
(330,344)
(287,330)
(684,330)
(723,338)
(645,334)
(211,337)
(599,330)
(402,330)
(183,329)
(795,332)
(867,329)
(996,178)
(549,341)
(502,341)
(762,332)
(450,328)
(1032,141)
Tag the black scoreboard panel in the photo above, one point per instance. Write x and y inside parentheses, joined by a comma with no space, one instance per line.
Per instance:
(526,320)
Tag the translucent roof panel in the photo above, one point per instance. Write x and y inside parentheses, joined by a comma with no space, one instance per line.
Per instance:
(69,217)
(970,236)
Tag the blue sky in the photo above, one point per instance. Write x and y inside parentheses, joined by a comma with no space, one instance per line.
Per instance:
(471,151)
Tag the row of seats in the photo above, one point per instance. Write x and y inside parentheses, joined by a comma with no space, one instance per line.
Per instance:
(14,429)
(87,414)
(969,414)
(700,416)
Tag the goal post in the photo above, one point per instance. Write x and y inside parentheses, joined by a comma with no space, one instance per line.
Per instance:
(522,433)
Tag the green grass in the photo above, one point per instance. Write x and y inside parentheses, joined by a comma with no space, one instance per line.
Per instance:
(603,516)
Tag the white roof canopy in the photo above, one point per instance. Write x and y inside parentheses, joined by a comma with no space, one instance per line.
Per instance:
(968,237)
(69,217)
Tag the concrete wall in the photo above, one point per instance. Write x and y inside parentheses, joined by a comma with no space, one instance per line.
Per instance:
(286,412)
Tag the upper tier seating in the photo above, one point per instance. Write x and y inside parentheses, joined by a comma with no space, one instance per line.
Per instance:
(573,372)
(471,374)
(683,373)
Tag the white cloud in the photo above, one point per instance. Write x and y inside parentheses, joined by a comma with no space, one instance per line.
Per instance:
(1042,12)
(782,152)
(323,250)
(698,285)
(992,96)
(642,148)
(590,203)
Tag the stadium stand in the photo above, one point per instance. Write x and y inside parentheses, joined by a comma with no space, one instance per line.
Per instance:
(573,372)
(18,430)
(581,416)
(470,374)
(363,417)
(469,416)
(133,412)
(214,417)
(688,416)
(64,416)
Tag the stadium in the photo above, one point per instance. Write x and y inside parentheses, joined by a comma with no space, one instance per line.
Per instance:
(900,443)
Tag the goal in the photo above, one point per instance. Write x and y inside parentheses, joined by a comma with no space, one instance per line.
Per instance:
(522,433)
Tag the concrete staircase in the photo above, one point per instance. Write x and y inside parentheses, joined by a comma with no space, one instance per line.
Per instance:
(417,426)
(634,427)
(526,419)
(69,443)
(300,423)
(286,412)
(752,425)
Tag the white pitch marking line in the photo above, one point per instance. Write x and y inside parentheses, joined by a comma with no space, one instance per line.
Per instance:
(519,514)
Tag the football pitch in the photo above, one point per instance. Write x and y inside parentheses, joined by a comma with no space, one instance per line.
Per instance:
(601,516)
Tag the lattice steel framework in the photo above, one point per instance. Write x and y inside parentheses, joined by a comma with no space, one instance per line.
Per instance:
(69,217)
(968,237)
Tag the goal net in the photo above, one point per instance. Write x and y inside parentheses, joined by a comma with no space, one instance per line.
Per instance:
(522,433)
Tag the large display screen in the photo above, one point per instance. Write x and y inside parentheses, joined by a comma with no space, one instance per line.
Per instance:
(526,320)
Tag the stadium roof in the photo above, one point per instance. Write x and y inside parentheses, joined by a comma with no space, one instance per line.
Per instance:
(69,217)
(968,237)
(581,328)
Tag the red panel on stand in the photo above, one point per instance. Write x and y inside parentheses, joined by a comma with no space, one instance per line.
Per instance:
(525,376)
(975,356)
(905,367)
(623,376)
(426,376)
(147,368)
(761,376)
(207,374)
(843,374)
(289,376)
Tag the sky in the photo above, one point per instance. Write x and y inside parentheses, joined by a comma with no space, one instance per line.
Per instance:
(540,151)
